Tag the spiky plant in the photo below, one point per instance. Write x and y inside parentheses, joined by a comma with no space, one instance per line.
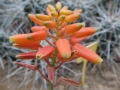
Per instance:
(108,22)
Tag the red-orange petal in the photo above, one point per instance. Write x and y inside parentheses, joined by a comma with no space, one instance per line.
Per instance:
(86,53)
(63,47)
(44,52)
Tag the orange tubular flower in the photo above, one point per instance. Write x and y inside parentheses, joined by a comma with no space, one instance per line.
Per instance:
(63,47)
(39,28)
(44,52)
(21,39)
(66,12)
(28,55)
(36,36)
(34,19)
(86,53)
(85,31)
(73,27)
(50,24)
(32,46)
(72,17)
(43,17)
(73,40)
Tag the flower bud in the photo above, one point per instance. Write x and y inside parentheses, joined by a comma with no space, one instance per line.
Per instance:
(73,27)
(34,19)
(54,13)
(64,8)
(86,53)
(28,55)
(51,8)
(44,52)
(39,28)
(43,17)
(63,47)
(66,12)
(49,13)
(72,17)
(61,18)
(58,6)
(50,24)
(85,31)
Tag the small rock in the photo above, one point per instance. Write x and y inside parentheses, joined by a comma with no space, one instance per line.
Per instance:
(112,83)
(109,75)
(85,87)
(61,87)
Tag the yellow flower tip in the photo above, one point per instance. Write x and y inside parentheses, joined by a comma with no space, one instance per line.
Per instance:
(17,56)
(96,29)
(82,24)
(66,56)
(29,37)
(100,61)
(11,40)
(58,6)
(38,56)
(45,23)
(78,14)
(37,15)
(29,15)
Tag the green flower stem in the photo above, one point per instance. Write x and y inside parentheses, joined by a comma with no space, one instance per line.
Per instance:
(54,57)
(51,86)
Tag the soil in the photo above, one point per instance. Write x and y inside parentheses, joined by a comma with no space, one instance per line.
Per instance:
(97,79)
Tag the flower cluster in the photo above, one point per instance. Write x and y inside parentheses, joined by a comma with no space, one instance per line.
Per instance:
(65,35)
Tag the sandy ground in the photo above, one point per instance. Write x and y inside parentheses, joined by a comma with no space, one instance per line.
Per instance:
(95,80)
